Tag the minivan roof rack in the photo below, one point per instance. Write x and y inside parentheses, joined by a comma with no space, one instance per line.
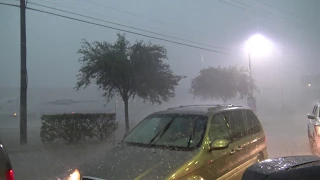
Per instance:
(206,105)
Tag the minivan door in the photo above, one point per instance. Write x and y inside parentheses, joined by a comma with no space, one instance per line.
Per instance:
(237,131)
(221,163)
(254,138)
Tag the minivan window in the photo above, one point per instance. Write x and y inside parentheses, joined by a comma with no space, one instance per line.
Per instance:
(219,128)
(235,123)
(252,123)
(314,110)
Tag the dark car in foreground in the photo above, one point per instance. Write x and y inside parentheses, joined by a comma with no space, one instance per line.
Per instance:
(198,142)
(6,172)
(285,168)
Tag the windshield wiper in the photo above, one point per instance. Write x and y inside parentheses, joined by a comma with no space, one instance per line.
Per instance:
(162,131)
(192,133)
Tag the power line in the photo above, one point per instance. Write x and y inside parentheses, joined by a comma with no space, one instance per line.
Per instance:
(301,20)
(82,10)
(129,13)
(307,30)
(132,14)
(123,30)
(249,10)
(13,5)
(127,31)
(245,8)
(118,24)
(266,13)
(140,34)
(274,7)
(253,9)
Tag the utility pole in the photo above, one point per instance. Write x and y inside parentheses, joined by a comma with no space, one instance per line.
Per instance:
(282,58)
(23,74)
(281,89)
(250,74)
(251,100)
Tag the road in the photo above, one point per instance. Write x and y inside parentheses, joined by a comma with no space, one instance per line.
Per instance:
(286,135)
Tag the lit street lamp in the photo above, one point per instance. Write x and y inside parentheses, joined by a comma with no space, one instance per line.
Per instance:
(257,46)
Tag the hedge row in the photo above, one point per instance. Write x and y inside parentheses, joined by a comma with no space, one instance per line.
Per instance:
(77,127)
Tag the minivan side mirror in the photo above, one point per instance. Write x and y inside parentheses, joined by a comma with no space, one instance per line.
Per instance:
(311,116)
(219,144)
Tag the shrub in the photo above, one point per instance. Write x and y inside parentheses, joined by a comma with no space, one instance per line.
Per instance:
(76,127)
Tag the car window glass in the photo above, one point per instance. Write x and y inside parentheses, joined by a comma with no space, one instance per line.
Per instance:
(235,122)
(174,130)
(252,124)
(218,128)
(181,129)
(148,128)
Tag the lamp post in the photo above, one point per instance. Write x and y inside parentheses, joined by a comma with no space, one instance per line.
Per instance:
(256,45)
(251,101)
(280,79)
(250,74)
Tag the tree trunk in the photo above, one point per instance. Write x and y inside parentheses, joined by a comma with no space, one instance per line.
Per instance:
(126,114)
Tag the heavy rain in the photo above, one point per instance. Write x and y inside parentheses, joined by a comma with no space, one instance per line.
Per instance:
(77,77)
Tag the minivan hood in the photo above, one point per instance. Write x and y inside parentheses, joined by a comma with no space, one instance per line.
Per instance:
(132,162)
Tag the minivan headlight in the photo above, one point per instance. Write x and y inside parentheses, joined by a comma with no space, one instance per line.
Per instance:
(195,178)
(75,175)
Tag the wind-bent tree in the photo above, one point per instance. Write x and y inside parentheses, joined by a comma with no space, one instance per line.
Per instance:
(222,83)
(127,70)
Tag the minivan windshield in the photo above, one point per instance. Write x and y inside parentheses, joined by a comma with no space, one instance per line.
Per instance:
(174,131)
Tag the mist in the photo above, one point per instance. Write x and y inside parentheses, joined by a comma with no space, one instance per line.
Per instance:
(286,78)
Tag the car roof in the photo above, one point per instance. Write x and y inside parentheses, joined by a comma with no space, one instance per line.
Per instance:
(202,109)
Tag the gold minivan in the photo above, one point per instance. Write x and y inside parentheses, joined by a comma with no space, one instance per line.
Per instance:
(198,142)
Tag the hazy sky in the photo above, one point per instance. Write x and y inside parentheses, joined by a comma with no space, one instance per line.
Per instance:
(52,41)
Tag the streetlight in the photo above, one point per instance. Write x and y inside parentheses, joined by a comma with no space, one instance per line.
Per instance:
(257,46)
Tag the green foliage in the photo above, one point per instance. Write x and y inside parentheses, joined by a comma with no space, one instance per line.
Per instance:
(76,127)
(127,70)
(222,83)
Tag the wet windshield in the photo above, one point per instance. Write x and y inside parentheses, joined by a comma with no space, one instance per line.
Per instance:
(175,131)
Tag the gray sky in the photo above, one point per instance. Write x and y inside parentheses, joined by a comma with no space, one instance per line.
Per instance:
(52,41)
